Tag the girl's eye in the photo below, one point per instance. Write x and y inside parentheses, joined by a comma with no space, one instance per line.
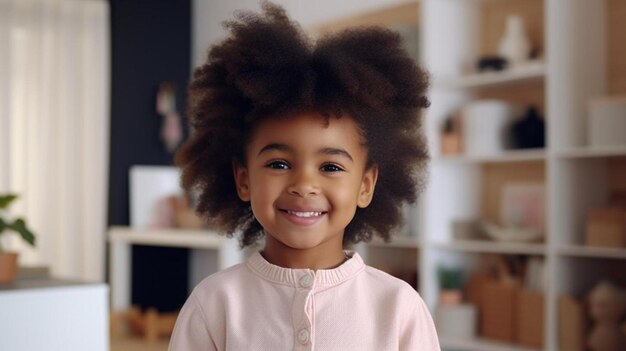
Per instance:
(277,165)
(331,168)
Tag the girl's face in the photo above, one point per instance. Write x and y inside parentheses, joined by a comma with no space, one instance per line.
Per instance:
(304,179)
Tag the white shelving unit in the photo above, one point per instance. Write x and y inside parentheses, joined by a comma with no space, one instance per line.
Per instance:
(575,67)
(212,252)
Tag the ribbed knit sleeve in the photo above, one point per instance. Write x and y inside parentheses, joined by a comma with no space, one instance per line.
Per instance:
(191,332)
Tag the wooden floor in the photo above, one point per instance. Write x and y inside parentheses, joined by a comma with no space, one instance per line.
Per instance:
(135,343)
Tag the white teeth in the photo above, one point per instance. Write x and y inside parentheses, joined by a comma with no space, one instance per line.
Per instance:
(304,214)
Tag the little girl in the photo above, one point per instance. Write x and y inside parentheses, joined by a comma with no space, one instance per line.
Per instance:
(309,147)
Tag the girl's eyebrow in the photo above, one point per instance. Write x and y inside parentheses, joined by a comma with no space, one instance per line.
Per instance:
(275,146)
(325,151)
(335,151)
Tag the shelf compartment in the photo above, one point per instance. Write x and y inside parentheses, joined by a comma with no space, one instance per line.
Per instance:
(578,275)
(504,157)
(585,184)
(492,22)
(592,252)
(485,246)
(484,37)
(496,177)
(490,79)
(480,344)
(475,191)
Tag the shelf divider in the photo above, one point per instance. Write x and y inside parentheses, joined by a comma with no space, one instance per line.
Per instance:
(480,344)
(487,246)
(592,151)
(592,252)
(503,157)
(489,79)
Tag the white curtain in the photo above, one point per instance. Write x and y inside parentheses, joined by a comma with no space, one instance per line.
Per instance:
(54,128)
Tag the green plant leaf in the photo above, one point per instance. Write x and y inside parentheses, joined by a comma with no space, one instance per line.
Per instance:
(5,200)
(450,278)
(20,226)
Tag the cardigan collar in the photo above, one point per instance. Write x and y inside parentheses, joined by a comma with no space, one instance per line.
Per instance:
(295,277)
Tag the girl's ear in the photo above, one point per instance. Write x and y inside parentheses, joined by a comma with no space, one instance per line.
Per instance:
(366,193)
(241,181)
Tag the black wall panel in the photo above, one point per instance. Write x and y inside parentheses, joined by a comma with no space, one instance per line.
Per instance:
(150,43)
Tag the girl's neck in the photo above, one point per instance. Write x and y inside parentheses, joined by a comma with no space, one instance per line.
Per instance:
(320,257)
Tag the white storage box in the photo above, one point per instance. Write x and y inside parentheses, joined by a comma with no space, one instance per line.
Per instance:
(486,126)
(457,322)
(607,121)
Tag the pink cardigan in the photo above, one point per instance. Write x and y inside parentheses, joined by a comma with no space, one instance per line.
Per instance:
(260,306)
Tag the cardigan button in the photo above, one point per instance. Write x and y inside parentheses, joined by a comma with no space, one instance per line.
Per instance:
(303,336)
(306,281)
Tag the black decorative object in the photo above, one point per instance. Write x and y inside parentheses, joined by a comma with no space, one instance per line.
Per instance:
(491,63)
(529,131)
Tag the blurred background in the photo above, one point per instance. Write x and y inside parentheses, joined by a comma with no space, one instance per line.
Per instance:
(517,243)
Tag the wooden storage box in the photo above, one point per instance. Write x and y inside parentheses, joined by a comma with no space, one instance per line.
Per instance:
(151,324)
(606,227)
(572,330)
(530,318)
(498,311)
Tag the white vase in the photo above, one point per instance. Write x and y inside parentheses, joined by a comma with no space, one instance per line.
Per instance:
(486,127)
(515,45)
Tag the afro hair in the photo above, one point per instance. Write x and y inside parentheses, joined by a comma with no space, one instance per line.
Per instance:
(266,67)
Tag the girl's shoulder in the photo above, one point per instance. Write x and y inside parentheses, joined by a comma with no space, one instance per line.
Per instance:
(221,281)
(388,284)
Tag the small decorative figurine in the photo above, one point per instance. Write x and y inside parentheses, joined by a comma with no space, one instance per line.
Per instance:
(491,63)
(607,304)
(171,128)
(529,131)
(514,45)
(451,141)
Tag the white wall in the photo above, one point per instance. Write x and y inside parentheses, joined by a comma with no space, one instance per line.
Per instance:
(208,15)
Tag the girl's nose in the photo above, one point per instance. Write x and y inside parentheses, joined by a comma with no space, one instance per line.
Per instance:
(304,184)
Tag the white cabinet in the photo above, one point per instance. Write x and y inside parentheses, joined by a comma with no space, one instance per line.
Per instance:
(54,315)
(582,50)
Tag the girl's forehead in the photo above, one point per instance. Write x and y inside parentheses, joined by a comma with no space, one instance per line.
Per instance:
(307,128)
(308,123)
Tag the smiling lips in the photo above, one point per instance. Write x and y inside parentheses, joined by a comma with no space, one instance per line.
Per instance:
(304,214)
(302,217)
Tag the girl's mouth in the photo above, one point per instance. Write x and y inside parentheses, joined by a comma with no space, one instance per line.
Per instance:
(304,218)
(305,214)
